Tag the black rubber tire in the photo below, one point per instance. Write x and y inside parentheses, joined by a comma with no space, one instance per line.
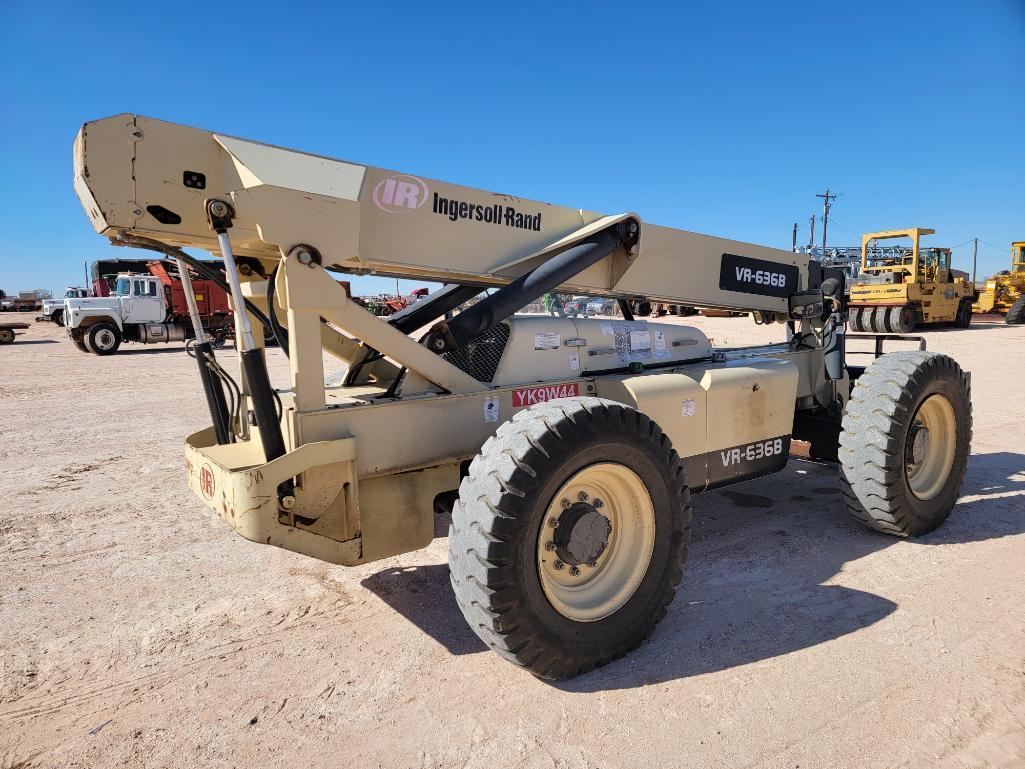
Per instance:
(643,309)
(57,316)
(873,441)
(964,314)
(80,344)
(854,319)
(1016,314)
(6,336)
(901,320)
(96,331)
(878,319)
(500,514)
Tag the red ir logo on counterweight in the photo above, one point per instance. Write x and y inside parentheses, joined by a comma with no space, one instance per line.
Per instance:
(207,484)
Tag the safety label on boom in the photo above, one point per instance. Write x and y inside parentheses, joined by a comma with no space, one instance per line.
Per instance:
(757,276)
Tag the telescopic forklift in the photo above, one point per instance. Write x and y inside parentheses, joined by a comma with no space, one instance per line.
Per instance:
(565,449)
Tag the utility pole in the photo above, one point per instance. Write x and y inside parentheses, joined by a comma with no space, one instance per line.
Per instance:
(794,246)
(827,201)
(811,233)
(975,253)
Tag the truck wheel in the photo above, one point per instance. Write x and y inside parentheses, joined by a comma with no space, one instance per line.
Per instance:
(6,336)
(643,309)
(907,431)
(901,319)
(103,339)
(1016,314)
(57,316)
(569,535)
(80,344)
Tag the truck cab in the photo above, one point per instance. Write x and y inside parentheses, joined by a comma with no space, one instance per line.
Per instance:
(53,309)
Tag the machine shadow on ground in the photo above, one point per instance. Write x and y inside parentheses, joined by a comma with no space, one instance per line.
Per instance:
(752,588)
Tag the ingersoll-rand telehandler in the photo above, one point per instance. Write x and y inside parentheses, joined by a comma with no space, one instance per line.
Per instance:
(1005,292)
(566,449)
(894,294)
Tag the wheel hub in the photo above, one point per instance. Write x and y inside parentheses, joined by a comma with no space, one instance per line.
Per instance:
(919,444)
(582,535)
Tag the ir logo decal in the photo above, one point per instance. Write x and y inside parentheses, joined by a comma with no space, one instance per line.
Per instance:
(207,484)
(400,193)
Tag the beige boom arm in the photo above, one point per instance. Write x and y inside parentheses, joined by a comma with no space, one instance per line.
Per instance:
(151,178)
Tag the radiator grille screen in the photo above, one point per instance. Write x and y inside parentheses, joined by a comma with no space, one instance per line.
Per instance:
(482,354)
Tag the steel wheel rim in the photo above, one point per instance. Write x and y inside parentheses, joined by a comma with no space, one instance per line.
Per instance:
(929,450)
(104,340)
(586,593)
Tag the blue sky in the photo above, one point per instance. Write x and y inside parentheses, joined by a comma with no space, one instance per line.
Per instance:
(719,117)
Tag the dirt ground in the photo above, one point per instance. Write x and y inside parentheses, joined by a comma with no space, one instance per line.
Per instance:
(137,630)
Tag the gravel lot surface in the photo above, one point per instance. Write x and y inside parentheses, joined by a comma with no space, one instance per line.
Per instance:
(137,630)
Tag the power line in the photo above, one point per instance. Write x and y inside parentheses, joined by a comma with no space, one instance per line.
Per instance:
(998,248)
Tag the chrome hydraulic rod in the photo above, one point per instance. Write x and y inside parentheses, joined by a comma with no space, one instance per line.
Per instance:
(254,366)
(236,292)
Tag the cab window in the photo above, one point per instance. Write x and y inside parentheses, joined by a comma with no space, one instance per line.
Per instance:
(124,287)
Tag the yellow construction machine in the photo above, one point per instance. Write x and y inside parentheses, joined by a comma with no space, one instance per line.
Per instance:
(900,288)
(1005,291)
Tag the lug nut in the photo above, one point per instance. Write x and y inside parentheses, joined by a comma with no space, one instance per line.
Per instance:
(565,504)
(598,504)
(559,565)
(574,572)
(582,496)
(549,545)
(592,564)
(553,522)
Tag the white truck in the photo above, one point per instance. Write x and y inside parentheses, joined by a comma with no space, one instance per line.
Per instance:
(145,308)
(53,308)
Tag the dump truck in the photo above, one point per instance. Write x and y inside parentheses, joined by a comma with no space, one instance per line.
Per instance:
(565,450)
(1005,292)
(896,292)
(145,308)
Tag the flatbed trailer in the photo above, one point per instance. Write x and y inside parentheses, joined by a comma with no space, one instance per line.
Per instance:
(8,331)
